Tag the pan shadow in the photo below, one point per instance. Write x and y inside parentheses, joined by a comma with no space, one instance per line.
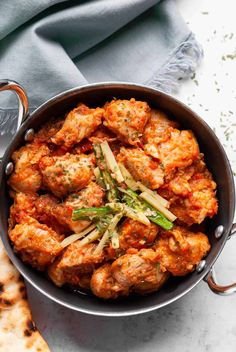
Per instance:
(81,332)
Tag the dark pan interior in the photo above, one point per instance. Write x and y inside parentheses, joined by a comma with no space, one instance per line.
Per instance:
(97,95)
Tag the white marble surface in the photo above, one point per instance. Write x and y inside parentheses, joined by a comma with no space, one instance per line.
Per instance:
(200,321)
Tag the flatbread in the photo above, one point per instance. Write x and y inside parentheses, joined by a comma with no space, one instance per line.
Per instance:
(18,332)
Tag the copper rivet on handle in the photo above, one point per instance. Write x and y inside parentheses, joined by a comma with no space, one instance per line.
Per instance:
(201,265)
(9,168)
(219,231)
(29,135)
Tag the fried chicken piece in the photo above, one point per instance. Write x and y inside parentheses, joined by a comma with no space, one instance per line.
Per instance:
(142,167)
(91,196)
(48,130)
(81,122)
(84,281)
(71,277)
(104,285)
(151,283)
(180,250)
(137,235)
(67,173)
(51,211)
(102,134)
(80,258)
(37,244)
(191,194)
(157,130)
(139,272)
(84,147)
(178,151)
(61,277)
(26,177)
(23,206)
(58,276)
(127,119)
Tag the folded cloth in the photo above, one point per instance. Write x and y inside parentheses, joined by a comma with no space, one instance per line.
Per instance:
(49,46)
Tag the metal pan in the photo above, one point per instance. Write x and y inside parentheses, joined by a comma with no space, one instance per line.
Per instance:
(219,229)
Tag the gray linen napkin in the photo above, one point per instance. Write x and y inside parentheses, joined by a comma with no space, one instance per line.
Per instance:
(52,45)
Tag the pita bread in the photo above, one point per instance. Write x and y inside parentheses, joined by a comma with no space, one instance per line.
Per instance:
(17,330)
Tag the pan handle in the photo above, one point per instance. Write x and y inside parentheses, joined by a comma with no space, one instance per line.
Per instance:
(211,277)
(22,99)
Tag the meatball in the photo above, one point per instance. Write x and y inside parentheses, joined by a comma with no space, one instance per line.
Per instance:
(37,244)
(26,177)
(180,250)
(137,235)
(191,194)
(127,119)
(67,173)
(79,123)
(139,272)
(142,167)
(178,151)
(157,130)
(80,258)
(104,285)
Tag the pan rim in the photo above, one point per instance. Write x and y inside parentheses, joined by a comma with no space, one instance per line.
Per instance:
(230,180)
